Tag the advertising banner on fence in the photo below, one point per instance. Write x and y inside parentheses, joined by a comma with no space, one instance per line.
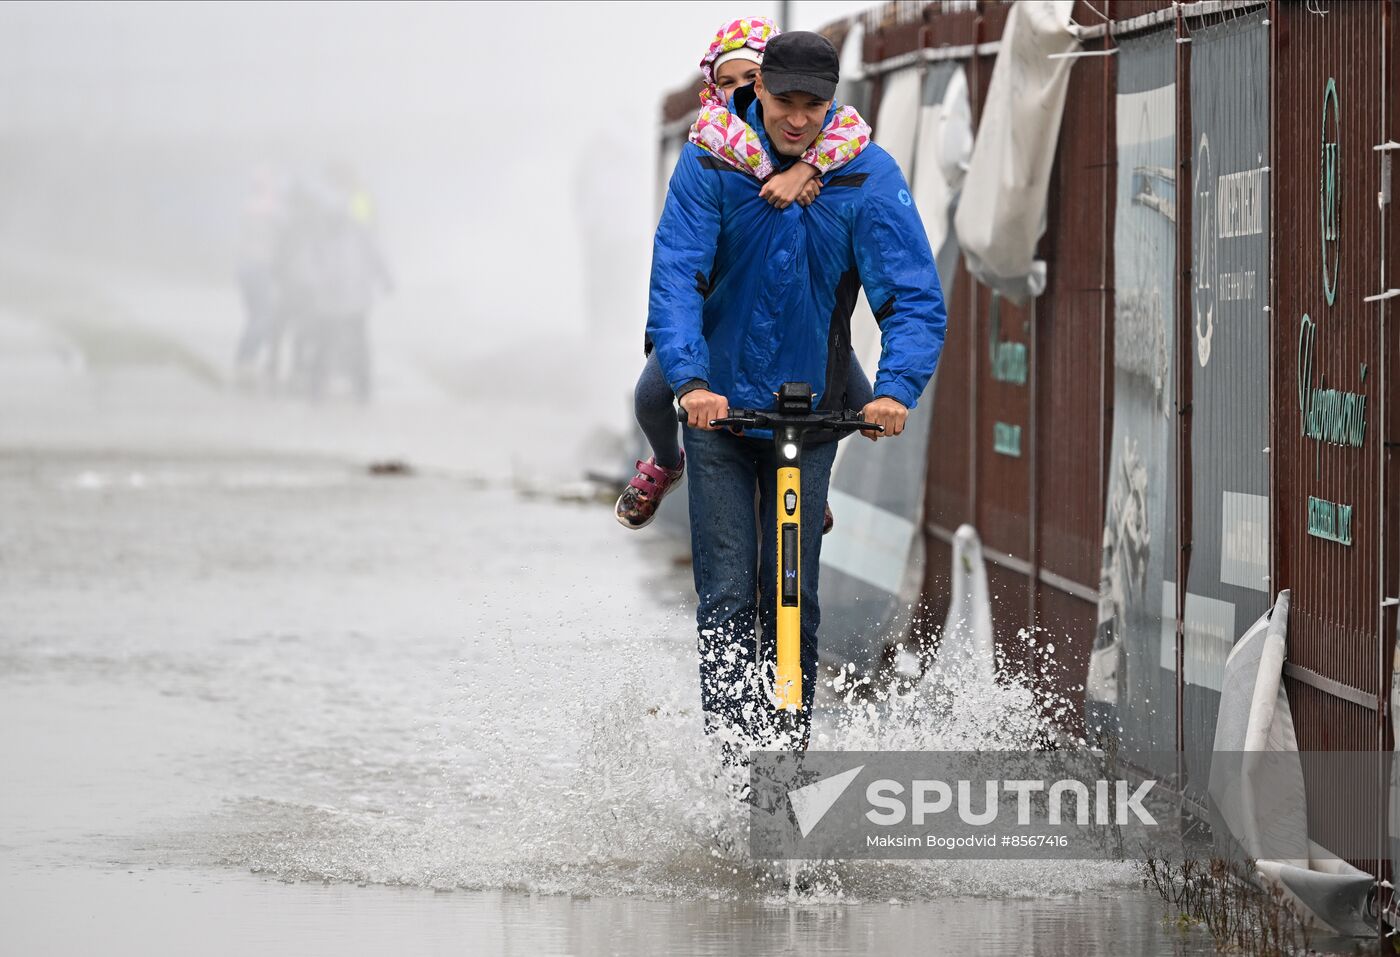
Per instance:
(1227,584)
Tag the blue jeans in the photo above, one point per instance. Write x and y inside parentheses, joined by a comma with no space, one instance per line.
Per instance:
(736,576)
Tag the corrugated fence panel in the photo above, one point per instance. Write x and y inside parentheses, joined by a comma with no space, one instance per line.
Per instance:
(1333,724)
(1070,318)
(1228,349)
(1004,432)
(938,589)
(1074,369)
(1071,362)
(1124,10)
(951,493)
(1007,588)
(1128,688)
(1326,345)
(1389,309)
(1390,482)
(948,496)
(1065,621)
(1001,435)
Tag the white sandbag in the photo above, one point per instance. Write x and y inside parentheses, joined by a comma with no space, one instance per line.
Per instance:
(1257,788)
(1257,785)
(852,60)
(1001,216)
(968,645)
(1336,898)
(897,126)
(941,159)
(955,137)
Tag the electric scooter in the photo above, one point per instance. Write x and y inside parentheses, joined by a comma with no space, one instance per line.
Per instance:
(791,419)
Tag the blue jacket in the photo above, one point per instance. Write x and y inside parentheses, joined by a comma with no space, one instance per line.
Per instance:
(746,297)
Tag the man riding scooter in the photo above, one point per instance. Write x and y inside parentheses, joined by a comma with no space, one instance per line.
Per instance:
(745,298)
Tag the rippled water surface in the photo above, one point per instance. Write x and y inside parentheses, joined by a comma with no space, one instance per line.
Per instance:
(331,712)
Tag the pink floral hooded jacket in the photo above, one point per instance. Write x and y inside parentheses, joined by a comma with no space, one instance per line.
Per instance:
(728,137)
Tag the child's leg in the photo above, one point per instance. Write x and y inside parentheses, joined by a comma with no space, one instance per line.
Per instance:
(859,394)
(656,414)
(859,391)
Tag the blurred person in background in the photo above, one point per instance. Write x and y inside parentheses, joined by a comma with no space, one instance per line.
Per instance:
(732,63)
(261,226)
(333,273)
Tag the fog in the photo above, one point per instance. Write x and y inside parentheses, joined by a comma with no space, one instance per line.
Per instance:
(508,150)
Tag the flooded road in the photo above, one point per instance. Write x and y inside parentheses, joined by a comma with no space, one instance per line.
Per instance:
(227,912)
(276,702)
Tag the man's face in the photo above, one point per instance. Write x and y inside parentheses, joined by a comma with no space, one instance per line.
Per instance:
(792,120)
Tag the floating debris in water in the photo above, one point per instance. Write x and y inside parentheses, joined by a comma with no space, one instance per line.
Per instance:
(390,467)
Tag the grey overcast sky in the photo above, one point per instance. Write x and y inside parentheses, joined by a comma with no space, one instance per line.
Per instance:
(486,130)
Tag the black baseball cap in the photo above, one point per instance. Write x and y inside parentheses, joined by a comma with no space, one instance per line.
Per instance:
(801,61)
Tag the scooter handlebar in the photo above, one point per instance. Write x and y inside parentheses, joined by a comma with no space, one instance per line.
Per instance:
(855,425)
(754,419)
(741,419)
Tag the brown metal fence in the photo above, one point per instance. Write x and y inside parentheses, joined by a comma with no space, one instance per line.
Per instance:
(1302,396)
(1328,516)
(1037,503)
(1332,509)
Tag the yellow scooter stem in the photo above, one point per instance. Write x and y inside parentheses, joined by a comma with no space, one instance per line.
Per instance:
(790,420)
(788,678)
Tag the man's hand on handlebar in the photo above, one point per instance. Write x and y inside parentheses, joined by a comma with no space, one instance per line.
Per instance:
(701,406)
(886,412)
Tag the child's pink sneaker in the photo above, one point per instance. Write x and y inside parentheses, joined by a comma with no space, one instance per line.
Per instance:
(637,504)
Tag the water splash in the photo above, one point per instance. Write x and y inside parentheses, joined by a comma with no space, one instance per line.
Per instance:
(571,784)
